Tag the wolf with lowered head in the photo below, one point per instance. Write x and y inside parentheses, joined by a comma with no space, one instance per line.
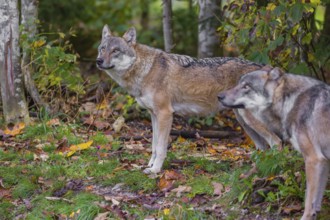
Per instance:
(297,109)
(167,83)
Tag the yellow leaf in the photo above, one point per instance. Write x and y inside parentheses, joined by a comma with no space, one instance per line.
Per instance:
(103,105)
(39,43)
(211,150)
(316,1)
(62,35)
(72,214)
(82,146)
(271,6)
(181,140)
(311,57)
(15,130)
(75,148)
(166,211)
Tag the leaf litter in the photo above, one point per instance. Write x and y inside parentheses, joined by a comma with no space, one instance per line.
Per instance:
(172,189)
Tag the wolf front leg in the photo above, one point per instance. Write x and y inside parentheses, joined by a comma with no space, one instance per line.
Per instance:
(317,171)
(163,126)
(154,123)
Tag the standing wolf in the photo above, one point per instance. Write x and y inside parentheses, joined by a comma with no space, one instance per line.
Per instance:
(297,109)
(166,83)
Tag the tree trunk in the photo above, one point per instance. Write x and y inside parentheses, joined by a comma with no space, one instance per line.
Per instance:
(11,79)
(29,15)
(167,25)
(208,40)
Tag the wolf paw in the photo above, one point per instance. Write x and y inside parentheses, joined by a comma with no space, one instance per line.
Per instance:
(151,170)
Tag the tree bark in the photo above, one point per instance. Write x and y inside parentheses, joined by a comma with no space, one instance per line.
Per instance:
(208,40)
(29,16)
(11,78)
(167,25)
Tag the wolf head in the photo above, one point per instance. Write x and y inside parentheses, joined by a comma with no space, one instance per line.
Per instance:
(255,90)
(116,54)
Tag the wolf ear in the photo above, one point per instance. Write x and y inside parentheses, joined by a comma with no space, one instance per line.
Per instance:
(130,36)
(275,73)
(106,32)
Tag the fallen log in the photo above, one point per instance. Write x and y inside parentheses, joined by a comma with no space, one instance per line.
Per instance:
(188,134)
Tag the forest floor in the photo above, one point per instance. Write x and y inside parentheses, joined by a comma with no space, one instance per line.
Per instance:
(90,166)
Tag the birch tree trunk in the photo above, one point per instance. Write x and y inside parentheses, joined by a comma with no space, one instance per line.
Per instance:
(11,78)
(29,16)
(208,22)
(167,25)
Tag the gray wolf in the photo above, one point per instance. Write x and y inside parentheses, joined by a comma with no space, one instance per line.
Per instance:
(297,109)
(167,83)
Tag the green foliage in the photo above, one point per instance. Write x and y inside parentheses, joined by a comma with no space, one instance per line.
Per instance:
(54,63)
(288,165)
(274,162)
(281,33)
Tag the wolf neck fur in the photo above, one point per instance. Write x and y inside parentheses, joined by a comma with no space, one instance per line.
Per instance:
(285,103)
(132,79)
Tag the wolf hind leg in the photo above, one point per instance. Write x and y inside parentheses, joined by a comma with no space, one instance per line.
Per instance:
(317,172)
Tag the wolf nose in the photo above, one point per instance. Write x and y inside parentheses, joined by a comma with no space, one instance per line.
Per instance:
(221,96)
(99,61)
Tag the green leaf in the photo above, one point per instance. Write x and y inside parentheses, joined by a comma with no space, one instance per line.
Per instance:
(277,42)
(241,196)
(300,68)
(296,12)
(307,38)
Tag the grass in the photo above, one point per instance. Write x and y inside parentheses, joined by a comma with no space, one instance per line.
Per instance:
(31,179)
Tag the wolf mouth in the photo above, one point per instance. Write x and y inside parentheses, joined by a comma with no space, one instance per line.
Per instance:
(233,106)
(105,68)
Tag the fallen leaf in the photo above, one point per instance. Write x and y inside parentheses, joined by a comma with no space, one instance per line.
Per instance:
(211,150)
(28,204)
(166,211)
(181,189)
(118,124)
(102,216)
(88,107)
(53,122)
(165,185)
(173,175)
(218,188)
(78,147)
(15,129)
(134,145)
(103,105)
(62,145)
(44,157)
(292,209)
(100,125)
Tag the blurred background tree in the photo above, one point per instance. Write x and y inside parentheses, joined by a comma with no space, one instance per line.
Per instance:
(293,35)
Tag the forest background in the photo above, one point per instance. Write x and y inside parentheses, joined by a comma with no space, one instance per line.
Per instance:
(67,102)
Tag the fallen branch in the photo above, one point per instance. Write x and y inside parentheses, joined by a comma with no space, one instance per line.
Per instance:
(205,134)
(188,134)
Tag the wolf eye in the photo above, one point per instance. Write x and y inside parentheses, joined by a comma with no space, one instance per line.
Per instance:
(102,49)
(115,50)
(246,86)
